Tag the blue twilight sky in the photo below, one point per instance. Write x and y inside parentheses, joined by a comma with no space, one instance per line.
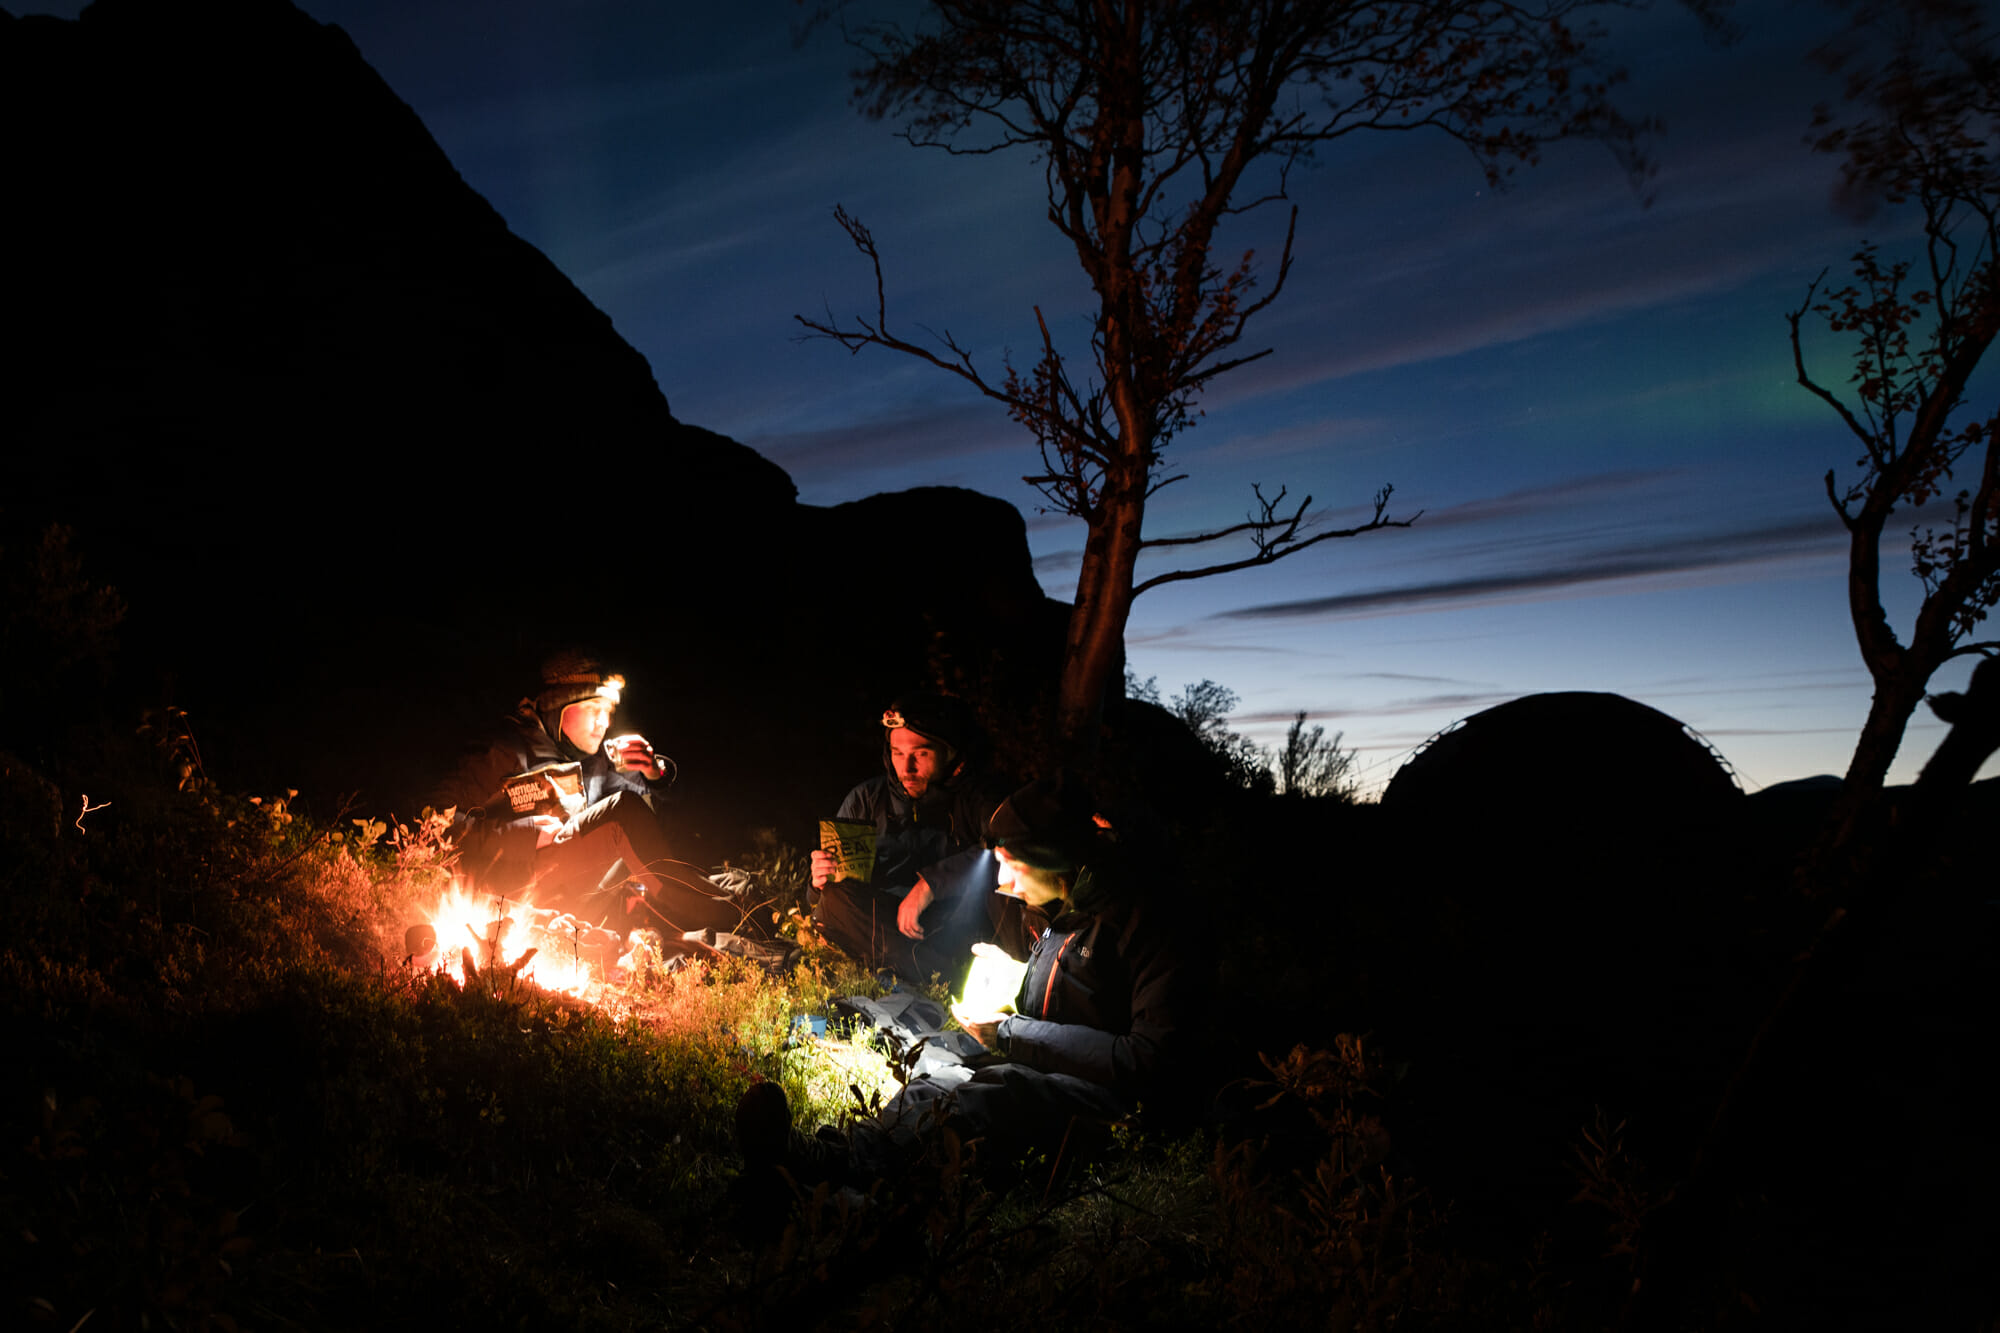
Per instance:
(1590,400)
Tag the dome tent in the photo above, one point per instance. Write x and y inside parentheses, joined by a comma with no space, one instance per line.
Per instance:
(1577,753)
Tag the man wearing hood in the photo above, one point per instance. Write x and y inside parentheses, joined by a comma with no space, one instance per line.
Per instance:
(932,894)
(599,853)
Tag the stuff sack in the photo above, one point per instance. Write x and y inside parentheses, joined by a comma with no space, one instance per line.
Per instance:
(912,1027)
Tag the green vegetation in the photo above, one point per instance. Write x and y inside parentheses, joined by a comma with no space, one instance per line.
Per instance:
(1311,764)
(234,1100)
(235,1105)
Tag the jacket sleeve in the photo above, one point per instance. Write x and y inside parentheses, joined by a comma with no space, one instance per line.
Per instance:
(473,784)
(602,780)
(1132,1062)
(486,828)
(624,779)
(969,872)
(972,813)
(857,807)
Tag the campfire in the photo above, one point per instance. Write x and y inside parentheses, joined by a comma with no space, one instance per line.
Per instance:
(469,933)
(479,939)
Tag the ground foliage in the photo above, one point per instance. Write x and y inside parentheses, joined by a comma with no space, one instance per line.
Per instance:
(231,1104)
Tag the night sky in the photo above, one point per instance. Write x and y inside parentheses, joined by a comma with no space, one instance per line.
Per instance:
(1591,399)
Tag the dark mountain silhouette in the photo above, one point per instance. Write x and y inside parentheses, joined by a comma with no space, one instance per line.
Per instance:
(356,455)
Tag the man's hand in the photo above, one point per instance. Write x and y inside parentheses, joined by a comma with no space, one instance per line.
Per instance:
(824,870)
(633,754)
(912,907)
(547,829)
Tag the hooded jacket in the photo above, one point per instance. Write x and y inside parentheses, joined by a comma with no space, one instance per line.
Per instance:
(914,835)
(493,841)
(1103,1000)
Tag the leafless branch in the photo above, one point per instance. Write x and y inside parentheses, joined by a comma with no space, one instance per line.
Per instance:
(866,333)
(1253,523)
(1794,318)
(1276,545)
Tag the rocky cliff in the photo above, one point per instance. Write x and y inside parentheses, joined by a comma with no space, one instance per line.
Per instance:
(339,437)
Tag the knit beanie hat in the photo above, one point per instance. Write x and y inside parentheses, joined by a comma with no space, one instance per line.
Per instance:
(939,717)
(570,676)
(1049,825)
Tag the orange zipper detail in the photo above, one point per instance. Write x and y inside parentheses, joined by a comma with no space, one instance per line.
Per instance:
(1050,989)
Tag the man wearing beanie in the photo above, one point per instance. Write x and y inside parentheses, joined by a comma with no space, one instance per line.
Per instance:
(569,856)
(1097,1025)
(929,900)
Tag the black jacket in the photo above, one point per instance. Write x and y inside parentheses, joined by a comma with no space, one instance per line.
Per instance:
(493,841)
(1104,999)
(912,837)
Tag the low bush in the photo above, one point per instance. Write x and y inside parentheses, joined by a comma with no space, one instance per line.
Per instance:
(234,1102)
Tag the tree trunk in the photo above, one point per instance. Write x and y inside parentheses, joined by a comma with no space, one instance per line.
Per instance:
(1899,688)
(1889,713)
(1835,861)
(1975,732)
(1096,638)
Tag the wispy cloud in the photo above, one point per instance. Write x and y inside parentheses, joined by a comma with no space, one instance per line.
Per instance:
(1403,675)
(1423,334)
(505,119)
(1857,679)
(1452,703)
(931,438)
(658,260)
(1714,732)
(1594,489)
(1804,538)
(1051,522)
(1181,638)
(1305,437)
(1564,251)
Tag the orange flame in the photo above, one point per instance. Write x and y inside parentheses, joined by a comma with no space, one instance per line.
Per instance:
(499,932)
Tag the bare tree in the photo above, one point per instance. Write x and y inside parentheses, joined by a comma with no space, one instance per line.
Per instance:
(1311,764)
(1924,76)
(1157,122)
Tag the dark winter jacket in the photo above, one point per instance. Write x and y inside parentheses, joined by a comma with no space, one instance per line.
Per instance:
(1104,1000)
(912,837)
(494,843)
